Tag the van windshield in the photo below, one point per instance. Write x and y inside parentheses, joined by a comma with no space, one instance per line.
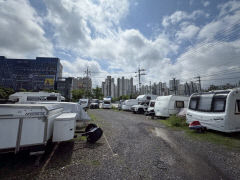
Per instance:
(106,102)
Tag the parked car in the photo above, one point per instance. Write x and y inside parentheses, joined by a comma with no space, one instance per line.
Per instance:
(94,104)
(107,104)
(150,109)
(120,104)
(217,110)
(140,108)
(169,105)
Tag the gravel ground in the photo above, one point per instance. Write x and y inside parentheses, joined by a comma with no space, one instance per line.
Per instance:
(133,147)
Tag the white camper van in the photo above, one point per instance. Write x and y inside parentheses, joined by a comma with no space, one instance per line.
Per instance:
(217,110)
(126,106)
(143,103)
(169,105)
(106,103)
(33,97)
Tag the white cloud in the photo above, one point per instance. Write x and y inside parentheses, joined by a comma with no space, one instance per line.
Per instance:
(228,7)
(206,3)
(179,16)
(187,32)
(22,34)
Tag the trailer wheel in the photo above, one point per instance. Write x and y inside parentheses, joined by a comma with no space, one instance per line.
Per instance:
(89,127)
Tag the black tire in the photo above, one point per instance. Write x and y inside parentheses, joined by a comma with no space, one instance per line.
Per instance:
(95,136)
(89,127)
(140,111)
(134,112)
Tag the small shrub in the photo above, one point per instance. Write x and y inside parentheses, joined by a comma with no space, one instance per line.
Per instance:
(177,121)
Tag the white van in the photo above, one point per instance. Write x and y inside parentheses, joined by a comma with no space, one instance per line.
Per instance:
(217,110)
(169,105)
(106,103)
(126,106)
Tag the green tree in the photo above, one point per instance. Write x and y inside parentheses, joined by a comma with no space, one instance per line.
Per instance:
(77,94)
(5,92)
(97,93)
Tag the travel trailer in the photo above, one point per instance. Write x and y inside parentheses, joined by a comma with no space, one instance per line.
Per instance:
(33,97)
(169,105)
(31,126)
(127,104)
(106,104)
(217,110)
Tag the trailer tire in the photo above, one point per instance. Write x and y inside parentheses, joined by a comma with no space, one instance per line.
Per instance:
(89,127)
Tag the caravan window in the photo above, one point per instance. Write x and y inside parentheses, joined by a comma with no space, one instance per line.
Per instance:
(219,103)
(52,98)
(33,98)
(237,108)
(148,97)
(179,104)
(193,104)
(205,102)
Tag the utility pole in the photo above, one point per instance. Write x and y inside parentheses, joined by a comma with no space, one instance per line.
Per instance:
(87,73)
(140,73)
(199,81)
(150,88)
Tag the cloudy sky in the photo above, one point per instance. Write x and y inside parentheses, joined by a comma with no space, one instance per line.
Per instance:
(168,38)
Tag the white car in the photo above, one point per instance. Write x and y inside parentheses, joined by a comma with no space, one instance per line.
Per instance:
(140,108)
(150,109)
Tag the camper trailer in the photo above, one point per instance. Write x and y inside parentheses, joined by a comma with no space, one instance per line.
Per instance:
(106,103)
(169,105)
(33,97)
(31,126)
(217,110)
(127,104)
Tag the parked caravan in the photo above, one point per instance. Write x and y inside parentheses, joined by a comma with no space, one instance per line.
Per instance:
(31,126)
(217,110)
(169,105)
(33,97)
(127,104)
(106,103)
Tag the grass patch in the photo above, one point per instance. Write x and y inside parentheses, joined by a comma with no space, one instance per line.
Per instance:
(229,140)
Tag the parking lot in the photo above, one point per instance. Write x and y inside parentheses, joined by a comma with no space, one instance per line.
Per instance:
(133,147)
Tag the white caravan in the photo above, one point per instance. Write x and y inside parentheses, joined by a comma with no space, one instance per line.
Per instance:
(127,104)
(169,105)
(31,126)
(33,97)
(217,110)
(106,104)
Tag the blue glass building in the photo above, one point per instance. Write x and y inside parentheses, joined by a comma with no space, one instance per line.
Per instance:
(30,74)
